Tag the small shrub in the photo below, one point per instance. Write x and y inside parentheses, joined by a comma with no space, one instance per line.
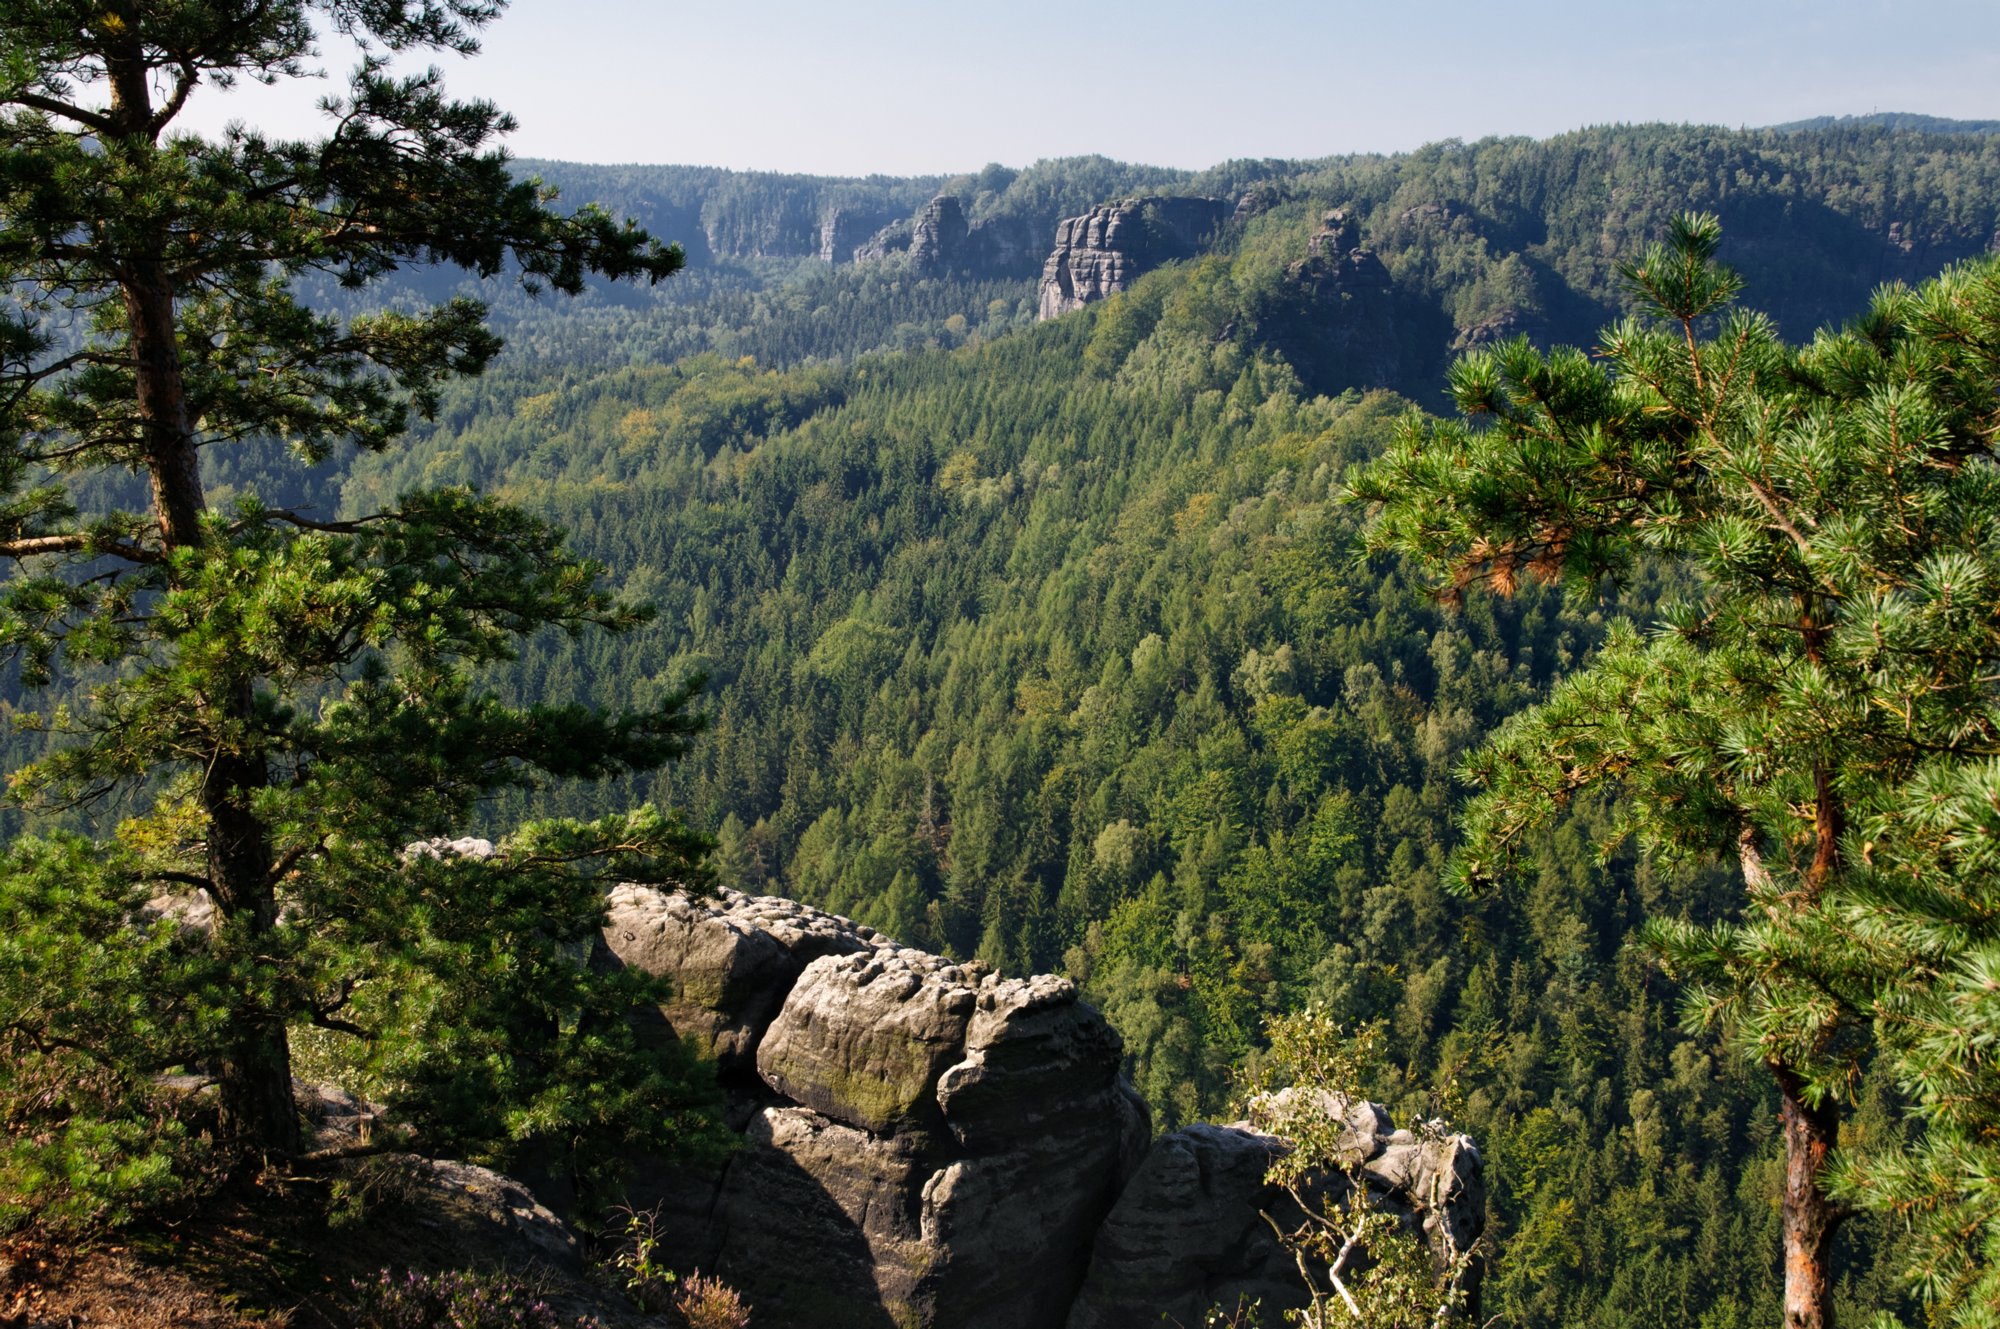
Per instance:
(647,1279)
(94,1005)
(1361,1266)
(709,1303)
(457,1299)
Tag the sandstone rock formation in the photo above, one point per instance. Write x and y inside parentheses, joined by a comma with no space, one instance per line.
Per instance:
(926,1143)
(1113,244)
(1004,247)
(1188,1233)
(919,1133)
(1338,318)
(943,242)
(842,230)
(937,238)
(733,960)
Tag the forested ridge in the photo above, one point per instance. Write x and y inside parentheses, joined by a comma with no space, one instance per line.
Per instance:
(1500,235)
(1055,644)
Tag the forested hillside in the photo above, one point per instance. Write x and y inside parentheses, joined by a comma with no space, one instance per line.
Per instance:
(1052,645)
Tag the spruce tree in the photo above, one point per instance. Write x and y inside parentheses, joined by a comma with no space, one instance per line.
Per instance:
(286,697)
(1830,509)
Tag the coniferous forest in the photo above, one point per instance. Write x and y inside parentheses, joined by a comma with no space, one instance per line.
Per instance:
(1222,645)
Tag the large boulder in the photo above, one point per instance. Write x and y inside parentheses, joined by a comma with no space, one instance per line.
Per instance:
(927,1143)
(733,959)
(863,1039)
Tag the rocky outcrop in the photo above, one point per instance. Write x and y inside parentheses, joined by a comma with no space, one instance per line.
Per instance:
(943,242)
(1338,319)
(1504,326)
(1189,1233)
(937,237)
(917,1132)
(1112,245)
(891,239)
(926,1143)
(843,230)
(733,960)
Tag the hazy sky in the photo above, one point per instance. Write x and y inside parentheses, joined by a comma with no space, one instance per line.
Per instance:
(902,87)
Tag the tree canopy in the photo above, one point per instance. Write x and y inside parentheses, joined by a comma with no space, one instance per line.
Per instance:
(280,701)
(1830,665)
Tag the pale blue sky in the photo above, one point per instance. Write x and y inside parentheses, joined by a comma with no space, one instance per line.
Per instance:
(903,87)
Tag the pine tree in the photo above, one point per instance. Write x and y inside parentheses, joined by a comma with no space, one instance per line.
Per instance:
(1830,507)
(285,695)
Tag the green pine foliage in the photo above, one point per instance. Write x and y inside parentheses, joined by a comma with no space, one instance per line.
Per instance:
(1052,645)
(265,718)
(1829,665)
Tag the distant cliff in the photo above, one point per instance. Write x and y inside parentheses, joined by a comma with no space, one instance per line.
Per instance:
(931,1144)
(1107,248)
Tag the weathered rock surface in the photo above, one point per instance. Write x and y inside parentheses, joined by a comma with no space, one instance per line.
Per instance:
(864,1039)
(1113,244)
(891,239)
(733,959)
(919,1132)
(927,1143)
(842,230)
(1337,319)
(937,238)
(942,241)
(1186,1235)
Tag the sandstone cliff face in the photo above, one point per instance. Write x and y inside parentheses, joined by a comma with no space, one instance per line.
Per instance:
(1188,1232)
(1110,246)
(937,238)
(891,239)
(927,1143)
(1338,319)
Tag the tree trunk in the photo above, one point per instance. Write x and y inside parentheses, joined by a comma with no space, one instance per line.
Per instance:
(172,462)
(1809,1216)
(258,1115)
(1809,1136)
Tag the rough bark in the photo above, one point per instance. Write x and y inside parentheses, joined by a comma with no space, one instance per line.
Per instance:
(1809,1134)
(1810,1218)
(1829,825)
(173,464)
(255,1077)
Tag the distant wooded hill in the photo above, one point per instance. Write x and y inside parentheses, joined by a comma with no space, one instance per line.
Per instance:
(1906,121)
(1477,241)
